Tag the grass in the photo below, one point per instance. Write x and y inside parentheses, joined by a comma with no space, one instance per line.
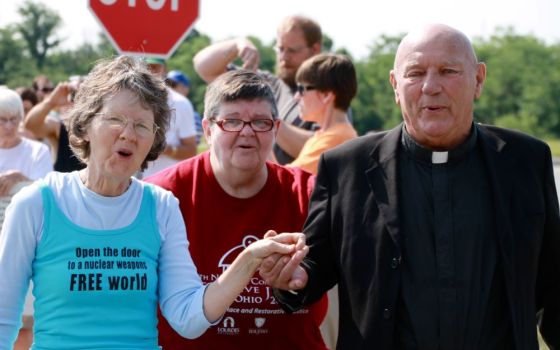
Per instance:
(554,146)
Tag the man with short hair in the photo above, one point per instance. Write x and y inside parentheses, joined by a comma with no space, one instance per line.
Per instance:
(298,38)
(442,233)
(179,82)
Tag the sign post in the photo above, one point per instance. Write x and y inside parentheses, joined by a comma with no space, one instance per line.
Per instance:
(148,28)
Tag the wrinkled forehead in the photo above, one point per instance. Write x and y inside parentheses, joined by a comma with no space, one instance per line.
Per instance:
(449,44)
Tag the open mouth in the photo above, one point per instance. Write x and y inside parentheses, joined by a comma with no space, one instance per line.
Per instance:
(124,153)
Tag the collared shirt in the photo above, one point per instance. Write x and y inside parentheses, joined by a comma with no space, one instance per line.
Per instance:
(452,293)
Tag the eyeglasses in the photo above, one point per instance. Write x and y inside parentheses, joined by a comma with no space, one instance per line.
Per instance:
(143,129)
(46,89)
(289,50)
(12,120)
(303,88)
(236,125)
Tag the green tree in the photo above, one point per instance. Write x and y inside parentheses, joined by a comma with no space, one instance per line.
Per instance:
(182,60)
(374,106)
(522,90)
(267,54)
(38,30)
(11,56)
(78,61)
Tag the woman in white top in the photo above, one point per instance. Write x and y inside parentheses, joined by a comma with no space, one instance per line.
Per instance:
(21,159)
(103,248)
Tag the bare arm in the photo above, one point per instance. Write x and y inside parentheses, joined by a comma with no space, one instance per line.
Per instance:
(212,61)
(291,138)
(36,120)
(221,293)
(185,150)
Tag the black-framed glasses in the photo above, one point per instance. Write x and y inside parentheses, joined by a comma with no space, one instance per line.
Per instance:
(236,125)
(303,88)
(143,129)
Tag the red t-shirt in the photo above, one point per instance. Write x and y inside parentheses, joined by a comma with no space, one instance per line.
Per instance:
(219,226)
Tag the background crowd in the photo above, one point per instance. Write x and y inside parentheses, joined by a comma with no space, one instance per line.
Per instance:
(266,132)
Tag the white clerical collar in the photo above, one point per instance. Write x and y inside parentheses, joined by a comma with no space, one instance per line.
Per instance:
(440,157)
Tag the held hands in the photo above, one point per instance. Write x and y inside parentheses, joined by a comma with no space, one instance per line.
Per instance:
(278,255)
(283,271)
(248,54)
(277,246)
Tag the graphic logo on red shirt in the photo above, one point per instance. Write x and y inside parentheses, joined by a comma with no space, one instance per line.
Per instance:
(228,327)
(231,254)
(259,321)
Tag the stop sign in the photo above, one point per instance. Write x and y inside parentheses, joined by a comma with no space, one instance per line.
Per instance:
(152,28)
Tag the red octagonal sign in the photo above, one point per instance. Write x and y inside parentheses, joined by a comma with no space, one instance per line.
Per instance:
(151,28)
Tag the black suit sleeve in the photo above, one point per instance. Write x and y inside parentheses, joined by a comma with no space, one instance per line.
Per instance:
(320,263)
(548,279)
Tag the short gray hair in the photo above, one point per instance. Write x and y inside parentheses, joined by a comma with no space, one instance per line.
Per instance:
(237,85)
(10,103)
(106,79)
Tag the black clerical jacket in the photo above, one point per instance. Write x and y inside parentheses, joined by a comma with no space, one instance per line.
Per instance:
(353,232)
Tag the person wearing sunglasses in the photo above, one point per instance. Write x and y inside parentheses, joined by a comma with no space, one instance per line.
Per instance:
(443,233)
(327,84)
(230,196)
(42,86)
(48,120)
(103,248)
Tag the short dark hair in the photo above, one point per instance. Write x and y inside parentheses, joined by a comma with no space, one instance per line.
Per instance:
(106,79)
(331,72)
(237,85)
(28,94)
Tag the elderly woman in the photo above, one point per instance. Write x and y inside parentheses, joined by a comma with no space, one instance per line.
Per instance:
(21,159)
(102,247)
(229,197)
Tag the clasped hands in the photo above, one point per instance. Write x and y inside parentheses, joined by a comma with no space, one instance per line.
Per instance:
(280,256)
(8,180)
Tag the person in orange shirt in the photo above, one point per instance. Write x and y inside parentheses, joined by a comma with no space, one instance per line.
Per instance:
(326,85)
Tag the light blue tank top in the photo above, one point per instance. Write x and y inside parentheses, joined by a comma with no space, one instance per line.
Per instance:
(96,289)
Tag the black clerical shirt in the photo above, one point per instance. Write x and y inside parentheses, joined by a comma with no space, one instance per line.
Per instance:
(452,294)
